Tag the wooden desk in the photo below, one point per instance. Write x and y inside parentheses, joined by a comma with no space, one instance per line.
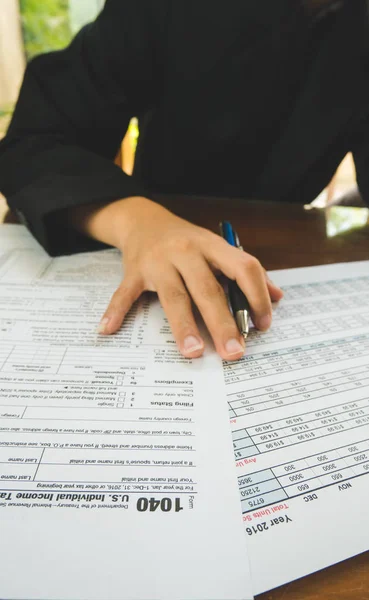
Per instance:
(280,235)
(285,236)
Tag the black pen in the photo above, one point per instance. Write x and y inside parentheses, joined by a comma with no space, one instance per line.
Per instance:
(237,299)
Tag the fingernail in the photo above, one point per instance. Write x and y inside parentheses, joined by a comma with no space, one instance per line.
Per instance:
(102,326)
(233,347)
(192,343)
(265,322)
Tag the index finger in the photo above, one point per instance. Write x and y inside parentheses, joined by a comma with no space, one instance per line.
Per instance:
(249,274)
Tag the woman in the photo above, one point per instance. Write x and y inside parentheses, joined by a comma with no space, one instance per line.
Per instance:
(258,83)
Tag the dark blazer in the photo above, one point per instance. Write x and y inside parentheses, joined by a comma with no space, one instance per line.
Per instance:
(238,98)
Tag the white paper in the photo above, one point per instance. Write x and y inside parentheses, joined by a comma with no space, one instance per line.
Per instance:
(299,405)
(117,478)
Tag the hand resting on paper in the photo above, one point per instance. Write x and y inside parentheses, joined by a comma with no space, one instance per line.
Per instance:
(165,254)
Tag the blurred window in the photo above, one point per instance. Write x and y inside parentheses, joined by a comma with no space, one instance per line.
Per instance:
(31,27)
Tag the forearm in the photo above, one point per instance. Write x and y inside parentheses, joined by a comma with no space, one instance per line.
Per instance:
(108,223)
(111,223)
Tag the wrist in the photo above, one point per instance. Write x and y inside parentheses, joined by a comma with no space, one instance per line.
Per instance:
(127,215)
(111,223)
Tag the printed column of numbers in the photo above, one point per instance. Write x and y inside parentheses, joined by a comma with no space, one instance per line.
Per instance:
(307,475)
(303,427)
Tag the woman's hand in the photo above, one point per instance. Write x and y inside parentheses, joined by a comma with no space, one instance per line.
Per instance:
(165,254)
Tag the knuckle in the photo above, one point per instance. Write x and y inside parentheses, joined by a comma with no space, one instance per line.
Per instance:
(226,325)
(249,262)
(156,254)
(209,236)
(180,244)
(186,325)
(174,294)
(210,289)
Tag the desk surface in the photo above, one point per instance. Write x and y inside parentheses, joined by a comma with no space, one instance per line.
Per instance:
(279,234)
(285,236)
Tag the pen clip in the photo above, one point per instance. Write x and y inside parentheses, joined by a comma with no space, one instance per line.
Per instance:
(237,240)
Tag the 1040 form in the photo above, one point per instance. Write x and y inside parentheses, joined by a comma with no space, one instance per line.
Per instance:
(117,478)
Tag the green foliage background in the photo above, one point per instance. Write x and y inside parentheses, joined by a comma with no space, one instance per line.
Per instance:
(46,25)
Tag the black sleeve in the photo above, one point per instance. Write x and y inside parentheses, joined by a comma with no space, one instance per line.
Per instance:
(360,150)
(71,116)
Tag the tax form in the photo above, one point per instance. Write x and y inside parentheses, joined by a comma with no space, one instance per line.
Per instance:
(117,478)
(299,407)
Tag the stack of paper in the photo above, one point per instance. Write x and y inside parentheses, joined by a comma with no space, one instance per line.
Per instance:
(117,475)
